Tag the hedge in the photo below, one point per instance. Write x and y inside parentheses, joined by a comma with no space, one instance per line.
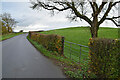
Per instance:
(104,57)
(50,42)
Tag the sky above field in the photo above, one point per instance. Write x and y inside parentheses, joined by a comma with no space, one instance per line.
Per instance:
(30,19)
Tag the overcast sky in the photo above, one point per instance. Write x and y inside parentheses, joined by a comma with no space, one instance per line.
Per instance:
(30,19)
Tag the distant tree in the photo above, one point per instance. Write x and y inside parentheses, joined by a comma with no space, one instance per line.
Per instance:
(3,29)
(0,27)
(8,21)
(93,12)
(21,31)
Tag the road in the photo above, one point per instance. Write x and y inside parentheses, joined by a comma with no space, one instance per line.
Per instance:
(21,60)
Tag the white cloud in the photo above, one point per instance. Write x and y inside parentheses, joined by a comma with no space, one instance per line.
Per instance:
(35,27)
(14,0)
(40,20)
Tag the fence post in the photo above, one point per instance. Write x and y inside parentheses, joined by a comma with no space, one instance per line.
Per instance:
(80,54)
(29,34)
(62,51)
(70,50)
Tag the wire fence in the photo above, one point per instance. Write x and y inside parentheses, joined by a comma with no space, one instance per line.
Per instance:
(76,52)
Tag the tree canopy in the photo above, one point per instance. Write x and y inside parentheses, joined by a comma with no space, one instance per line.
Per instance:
(7,23)
(8,20)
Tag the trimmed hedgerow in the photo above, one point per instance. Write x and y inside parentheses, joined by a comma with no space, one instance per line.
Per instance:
(104,57)
(50,42)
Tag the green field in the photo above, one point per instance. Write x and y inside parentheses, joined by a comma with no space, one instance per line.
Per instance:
(81,35)
(7,36)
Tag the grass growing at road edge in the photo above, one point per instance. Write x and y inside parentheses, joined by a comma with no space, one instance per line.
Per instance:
(7,36)
(70,68)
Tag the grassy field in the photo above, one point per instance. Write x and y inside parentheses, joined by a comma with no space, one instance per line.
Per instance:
(7,36)
(81,35)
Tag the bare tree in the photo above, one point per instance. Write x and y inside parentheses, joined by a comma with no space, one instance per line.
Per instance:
(93,12)
(10,22)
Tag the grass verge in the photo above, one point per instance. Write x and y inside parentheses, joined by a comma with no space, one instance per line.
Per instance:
(7,36)
(70,68)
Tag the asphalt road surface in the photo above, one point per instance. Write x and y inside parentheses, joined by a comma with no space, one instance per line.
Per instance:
(21,60)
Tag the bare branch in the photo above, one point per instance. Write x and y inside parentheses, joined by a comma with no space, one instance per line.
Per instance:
(115,3)
(113,20)
(49,7)
(106,13)
(92,7)
(100,8)
(96,5)
(79,15)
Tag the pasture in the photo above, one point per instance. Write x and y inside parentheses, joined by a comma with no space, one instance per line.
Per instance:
(80,35)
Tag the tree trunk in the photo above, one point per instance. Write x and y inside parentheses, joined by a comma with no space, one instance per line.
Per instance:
(94,32)
(8,30)
(94,27)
